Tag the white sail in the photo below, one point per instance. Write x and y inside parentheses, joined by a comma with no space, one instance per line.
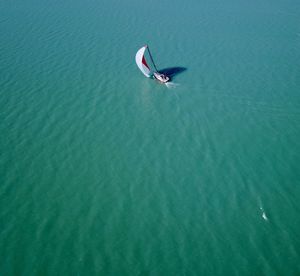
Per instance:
(141,61)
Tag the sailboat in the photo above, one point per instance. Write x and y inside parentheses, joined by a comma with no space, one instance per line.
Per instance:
(145,68)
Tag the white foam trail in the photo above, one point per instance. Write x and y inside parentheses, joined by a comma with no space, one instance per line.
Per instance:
(172,84)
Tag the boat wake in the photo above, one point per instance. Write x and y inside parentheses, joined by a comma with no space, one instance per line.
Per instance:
(172,84)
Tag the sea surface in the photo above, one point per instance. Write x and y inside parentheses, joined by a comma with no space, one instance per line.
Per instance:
(106,172)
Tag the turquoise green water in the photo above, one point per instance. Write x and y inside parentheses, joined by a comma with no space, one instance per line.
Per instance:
(105,172)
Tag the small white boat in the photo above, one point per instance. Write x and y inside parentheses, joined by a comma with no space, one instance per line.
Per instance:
(161,77)
(145,68)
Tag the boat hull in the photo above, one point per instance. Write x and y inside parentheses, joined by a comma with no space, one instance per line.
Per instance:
(161,77)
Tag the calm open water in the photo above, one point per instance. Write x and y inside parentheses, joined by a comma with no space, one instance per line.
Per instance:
(105,172)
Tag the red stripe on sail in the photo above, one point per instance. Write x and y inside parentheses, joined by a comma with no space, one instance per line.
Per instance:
(145,63)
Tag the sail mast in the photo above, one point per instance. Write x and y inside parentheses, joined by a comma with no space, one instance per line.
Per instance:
(151,58)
